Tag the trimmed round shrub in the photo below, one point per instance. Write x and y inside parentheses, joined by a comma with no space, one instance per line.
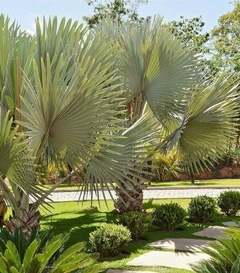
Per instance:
(168,216)
(109,239)
(137,222)
(201,209)
(229,202)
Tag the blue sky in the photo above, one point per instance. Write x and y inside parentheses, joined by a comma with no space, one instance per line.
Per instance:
(25,11)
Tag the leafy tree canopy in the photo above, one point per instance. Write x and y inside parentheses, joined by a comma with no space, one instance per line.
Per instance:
(191,32)
(116,9)
(225,39)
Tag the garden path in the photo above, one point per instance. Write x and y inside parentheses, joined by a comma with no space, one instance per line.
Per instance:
(184,252)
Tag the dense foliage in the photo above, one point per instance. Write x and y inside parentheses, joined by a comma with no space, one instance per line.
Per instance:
(229,202)
(168,216)
(42,253)
(225,41)
(109,239)
(136,222)
(201,209)
(117,10)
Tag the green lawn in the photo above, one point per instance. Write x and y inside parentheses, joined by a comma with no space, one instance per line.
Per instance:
(80,219)
(198,183)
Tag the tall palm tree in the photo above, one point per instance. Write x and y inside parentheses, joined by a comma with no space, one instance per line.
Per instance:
(68,105)
(195,115)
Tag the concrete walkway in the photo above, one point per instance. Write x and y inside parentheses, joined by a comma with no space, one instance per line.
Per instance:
(155,193)
(173,259)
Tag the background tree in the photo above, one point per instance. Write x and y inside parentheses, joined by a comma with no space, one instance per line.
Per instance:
(116,9)
(225,41)
(190,31)
(224,56)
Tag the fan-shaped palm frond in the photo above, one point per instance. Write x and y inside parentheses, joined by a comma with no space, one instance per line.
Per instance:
(15,163)
(124,161)
(155,63)
(16,54)
(208,122)
(70,111)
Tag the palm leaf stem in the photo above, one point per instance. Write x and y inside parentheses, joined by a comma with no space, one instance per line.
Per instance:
(8,195)
(19,101)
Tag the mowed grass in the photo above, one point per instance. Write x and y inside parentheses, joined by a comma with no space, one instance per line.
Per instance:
(197,183)
(79,219)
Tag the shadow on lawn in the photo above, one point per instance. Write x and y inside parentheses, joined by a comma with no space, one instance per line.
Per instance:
(85,221)
(79,226)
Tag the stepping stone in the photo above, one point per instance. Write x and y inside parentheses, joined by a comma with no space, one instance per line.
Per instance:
(211,232)
(169,259)
(126,271)
(180,244)
(230,224)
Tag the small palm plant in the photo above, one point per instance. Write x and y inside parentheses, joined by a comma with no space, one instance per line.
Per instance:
(224,254)
(42,253)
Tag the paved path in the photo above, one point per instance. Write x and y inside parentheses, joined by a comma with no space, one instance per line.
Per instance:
(155,193)
(182,252)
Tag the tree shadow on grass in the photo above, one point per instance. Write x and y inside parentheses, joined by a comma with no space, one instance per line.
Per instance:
(82,223)
(80,226)
(149,205)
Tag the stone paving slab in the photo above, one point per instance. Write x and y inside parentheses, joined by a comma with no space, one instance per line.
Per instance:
(168,259)
(230,224)
(211,232)
(180,244)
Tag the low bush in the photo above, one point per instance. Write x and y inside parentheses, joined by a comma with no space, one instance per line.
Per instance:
(168,216)
(229,202)
(109,239)
(201,209)
(137,222)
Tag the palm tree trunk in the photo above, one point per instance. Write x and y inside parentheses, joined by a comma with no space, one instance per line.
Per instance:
(26,216)
(130,199)
(3,209)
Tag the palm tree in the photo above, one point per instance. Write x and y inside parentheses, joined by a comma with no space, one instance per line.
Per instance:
(164,77)
(69,105)
(64,93)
